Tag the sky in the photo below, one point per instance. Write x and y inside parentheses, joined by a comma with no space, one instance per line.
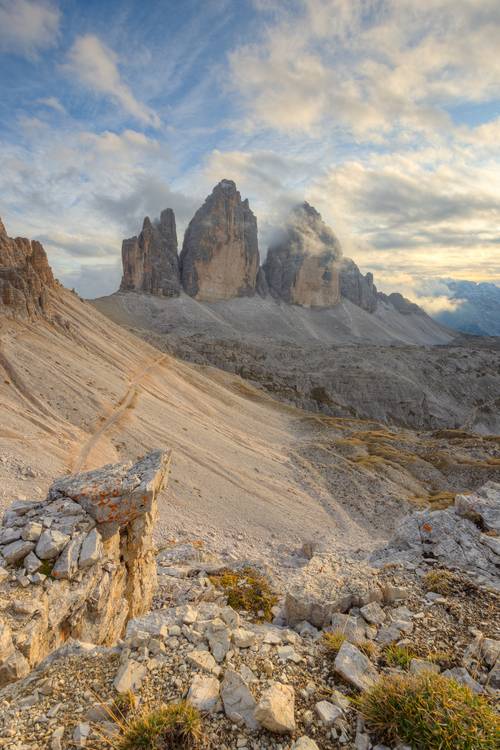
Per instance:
(384,114)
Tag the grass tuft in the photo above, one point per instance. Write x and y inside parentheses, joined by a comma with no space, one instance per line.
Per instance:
(440,581)
(429,712)
(332,642)
(248,590)
(177,726)
(398,656)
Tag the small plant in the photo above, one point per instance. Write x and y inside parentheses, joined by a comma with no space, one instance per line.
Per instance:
(369,648)
(46,567)
(177,726)
(247,589)
(398,656)
(440,581)
(429,712)
(124,704)
(333,641)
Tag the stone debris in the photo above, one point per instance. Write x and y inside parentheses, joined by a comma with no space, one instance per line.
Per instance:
(204,694)
(239,703)
(457,537)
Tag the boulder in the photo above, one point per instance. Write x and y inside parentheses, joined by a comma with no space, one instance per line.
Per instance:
(150,261)
(302,265)
(220,253)
(276,709)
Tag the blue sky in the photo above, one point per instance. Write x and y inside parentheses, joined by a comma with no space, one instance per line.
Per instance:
(385,114)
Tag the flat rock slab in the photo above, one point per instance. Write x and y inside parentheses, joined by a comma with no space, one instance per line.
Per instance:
(355,667)
(117,493)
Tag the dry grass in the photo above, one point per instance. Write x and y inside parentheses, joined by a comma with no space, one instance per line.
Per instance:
(248,590)
(441,581)
(399,656)
(429,712)
(177,726)
(332,642)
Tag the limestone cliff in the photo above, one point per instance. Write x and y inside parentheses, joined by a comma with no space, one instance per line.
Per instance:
(150,261)
(220,254)
(357,288)
(25,277)
(302,266)
(79,564)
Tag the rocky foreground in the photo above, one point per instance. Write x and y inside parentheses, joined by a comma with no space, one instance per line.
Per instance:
(87,641)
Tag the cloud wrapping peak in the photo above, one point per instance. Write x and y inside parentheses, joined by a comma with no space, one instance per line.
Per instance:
(28,26)
(95,66)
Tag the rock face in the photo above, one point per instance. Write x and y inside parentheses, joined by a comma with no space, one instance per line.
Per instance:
(220,254)
(89,564)
(150,261)
(357,288)
(25,277)
(302,267)
(463,536)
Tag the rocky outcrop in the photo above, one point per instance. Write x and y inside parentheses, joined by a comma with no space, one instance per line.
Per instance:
(79,564)
(357,288)
(220,254)
(401,304)
(464,536)
(25,277)
(302,266)
(150,261)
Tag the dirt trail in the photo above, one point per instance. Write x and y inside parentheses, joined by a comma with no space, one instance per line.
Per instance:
(106,422)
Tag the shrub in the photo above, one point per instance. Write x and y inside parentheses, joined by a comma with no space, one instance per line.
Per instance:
(177,726)
(441,581)
(399,656)
(429,712)
(247,589)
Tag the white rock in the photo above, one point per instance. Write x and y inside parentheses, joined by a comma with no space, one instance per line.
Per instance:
(327,712)
(230,617)
(32,563)
(272,637)
(129,676)
(80,734)
(243,638)
(17,550)
(373,613)
(355,667)
(67,563)
(288,653)
(276,708)
(10,534)
(202,660)
(50,544)
(304,743)
(92,549)
(55,740)
(204,694)
(31,532)
(239,703)
(218,639)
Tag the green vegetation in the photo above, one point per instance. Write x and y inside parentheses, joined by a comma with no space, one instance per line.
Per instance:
(398,656)
(333,641)
(177,726)
(247,589)
(441,581)
(429,712)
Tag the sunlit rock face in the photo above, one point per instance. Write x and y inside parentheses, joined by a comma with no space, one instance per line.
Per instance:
(25,277)
(220,254)
(302,266)
(150,261)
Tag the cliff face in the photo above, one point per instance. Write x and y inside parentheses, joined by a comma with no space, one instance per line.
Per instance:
(150,261)
(79,564)
(357,288)
(220,254)
(302,266)
(25,277)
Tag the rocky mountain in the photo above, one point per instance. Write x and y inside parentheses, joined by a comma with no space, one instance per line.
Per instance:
(150,261)
(302,266)
(477,309)
(25,277)
(220,253)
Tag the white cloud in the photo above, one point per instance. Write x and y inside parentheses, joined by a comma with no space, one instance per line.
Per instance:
(28,26)
(52,102)
(95,66)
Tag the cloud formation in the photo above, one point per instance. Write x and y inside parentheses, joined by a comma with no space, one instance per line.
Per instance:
(95,66)
(28,26)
